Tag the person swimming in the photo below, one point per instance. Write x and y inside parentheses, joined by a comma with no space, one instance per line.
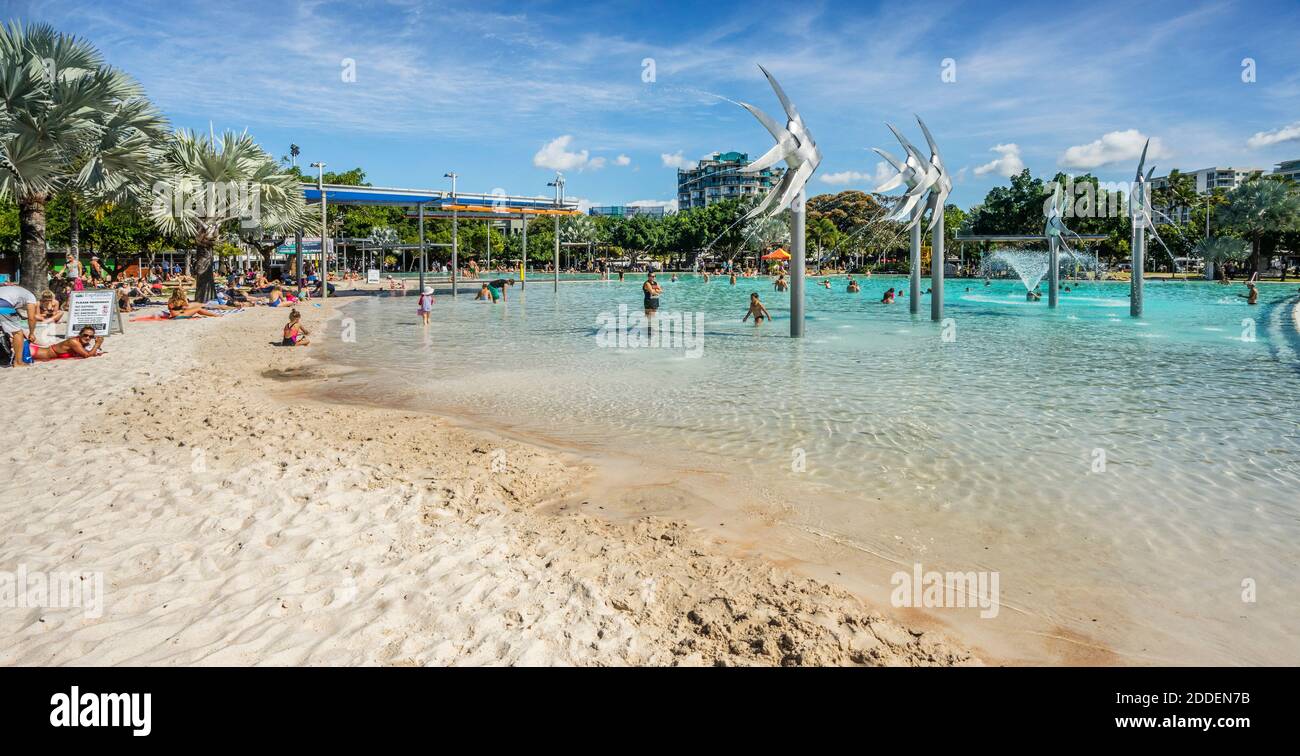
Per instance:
(756,309)
(733,278)
(889,296)
(780,284)
(853,287)
(1252,295)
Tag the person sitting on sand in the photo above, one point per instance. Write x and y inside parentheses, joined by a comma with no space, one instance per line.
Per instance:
(294,332)
(84,344)
(853,286)
(1252,295)
(756,309)
(48,309)
(276,297)
(889,296)
(178,306)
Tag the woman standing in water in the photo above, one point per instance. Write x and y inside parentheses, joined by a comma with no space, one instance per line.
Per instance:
(650,291)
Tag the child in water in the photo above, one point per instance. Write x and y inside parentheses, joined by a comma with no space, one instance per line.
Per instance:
(889,296)
(425,304)
(486,294)
(756,309)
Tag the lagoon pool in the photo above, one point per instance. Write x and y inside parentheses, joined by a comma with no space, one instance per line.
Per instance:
(1128,478)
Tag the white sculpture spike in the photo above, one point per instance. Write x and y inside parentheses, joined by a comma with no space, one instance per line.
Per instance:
(928,187)
(794,145)
(925,178)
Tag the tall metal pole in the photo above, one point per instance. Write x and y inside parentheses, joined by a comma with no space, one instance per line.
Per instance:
(798,217)
(455,241)
(914,264)
(936,267)
(558,183)
(1135,280)
(423,265)
(297,258)
(489,245)
(1053,273)
(523,255)
(320,184)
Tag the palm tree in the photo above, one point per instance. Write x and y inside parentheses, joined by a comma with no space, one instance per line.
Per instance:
(1259,210)
(1216,250)
(68,123)
(211,183)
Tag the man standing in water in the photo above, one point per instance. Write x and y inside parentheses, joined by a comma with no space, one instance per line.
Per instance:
(651,291)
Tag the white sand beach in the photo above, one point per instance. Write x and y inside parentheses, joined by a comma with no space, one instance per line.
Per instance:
(237,522)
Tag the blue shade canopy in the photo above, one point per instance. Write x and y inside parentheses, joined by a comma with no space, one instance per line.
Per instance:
(339,194)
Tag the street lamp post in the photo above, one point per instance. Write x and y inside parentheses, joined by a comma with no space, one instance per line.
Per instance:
(320,185)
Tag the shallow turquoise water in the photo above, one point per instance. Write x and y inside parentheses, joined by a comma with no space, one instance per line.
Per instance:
(1137,469)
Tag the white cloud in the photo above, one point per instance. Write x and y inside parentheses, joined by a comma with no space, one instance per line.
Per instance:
(883,173)
(1289,133)
(676,160)
(1008,165)
(556,156)
(1114,147)
(622,160)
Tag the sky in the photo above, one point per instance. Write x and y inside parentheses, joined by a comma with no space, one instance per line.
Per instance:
(618,95)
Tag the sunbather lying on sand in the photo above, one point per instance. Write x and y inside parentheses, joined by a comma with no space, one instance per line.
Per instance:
(84,344)
(178,306)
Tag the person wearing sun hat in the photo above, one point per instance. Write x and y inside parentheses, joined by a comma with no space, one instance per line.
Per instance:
(424,305)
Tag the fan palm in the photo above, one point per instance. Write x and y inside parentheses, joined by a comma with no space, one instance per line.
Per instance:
(1217,250)
(1259,209)
(68,123)
(212,183)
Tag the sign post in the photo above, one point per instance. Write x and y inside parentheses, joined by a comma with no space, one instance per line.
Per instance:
(94,308)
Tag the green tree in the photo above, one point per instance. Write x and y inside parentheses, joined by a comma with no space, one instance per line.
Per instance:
(68,123)
(1260,211)
(212,183)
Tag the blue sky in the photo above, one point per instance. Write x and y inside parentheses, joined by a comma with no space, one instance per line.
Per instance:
(506,93)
